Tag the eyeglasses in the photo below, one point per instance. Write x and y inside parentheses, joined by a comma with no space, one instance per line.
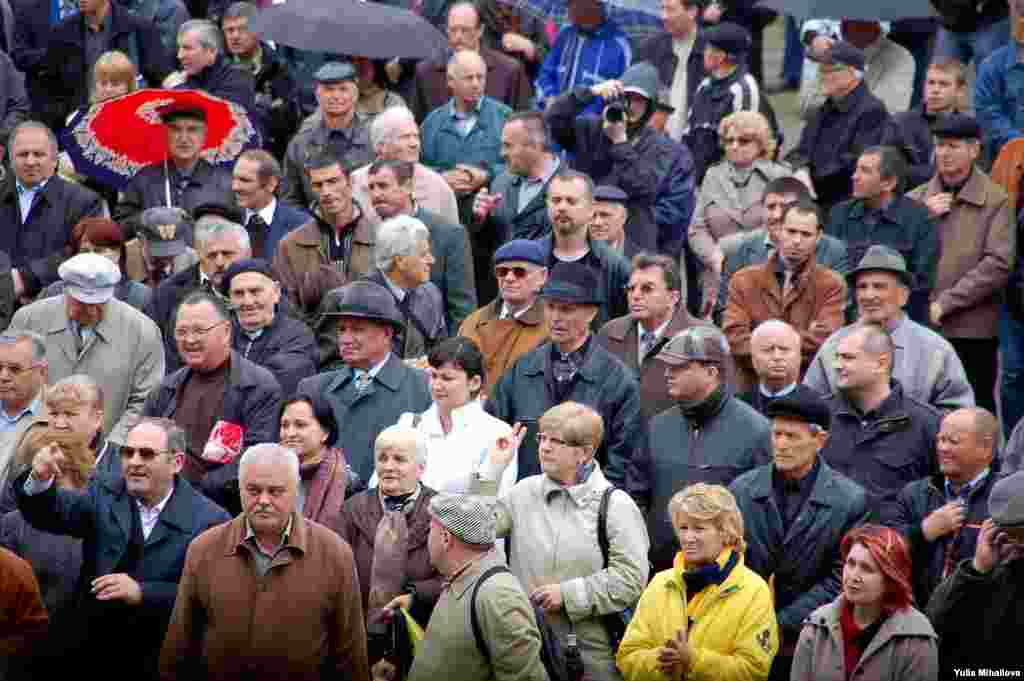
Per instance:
(147,454)
(197,332)
(15,370)
(556,441)
(518,272)
(742,141)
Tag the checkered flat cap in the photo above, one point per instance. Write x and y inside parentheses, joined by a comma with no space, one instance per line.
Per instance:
(466,517)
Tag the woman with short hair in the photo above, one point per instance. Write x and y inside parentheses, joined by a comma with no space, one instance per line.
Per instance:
(872,631)
(729,201)
(552,521)
(107,238)
(709,616)
(387,527)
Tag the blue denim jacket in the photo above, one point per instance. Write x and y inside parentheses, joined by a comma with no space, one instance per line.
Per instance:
(999,98)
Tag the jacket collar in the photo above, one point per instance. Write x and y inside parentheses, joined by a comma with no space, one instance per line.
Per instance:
(390,375)
(536,361)
(623,329)
(974,191)
(851,100)
(534,316)
(908,622)
(595,484)
(297,537)
(237,378)
(858,209)
(178,513)
(891,406)
(821,493)
(72,30)
(366,512)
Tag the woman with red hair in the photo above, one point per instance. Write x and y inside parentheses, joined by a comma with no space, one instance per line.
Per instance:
(872,631)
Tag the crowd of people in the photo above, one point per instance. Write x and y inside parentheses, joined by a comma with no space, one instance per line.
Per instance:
(546,358)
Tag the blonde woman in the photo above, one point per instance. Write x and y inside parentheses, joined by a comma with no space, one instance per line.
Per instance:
(709,617)
(552,522)
(729,201)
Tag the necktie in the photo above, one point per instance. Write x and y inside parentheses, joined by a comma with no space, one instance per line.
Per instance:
(647,341)
(257,228)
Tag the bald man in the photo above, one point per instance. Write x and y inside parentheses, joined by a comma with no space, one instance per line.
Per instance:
(941,515)
(775,354)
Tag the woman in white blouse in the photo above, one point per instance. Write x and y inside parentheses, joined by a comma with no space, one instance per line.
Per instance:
(457,429)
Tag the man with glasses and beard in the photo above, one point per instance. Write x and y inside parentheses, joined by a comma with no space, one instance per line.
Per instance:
(135,530)
(216,386)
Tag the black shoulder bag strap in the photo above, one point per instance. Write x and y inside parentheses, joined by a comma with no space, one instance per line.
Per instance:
(602,524)
(473,619)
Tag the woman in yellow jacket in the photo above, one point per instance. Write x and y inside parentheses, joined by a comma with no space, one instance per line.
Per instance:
(709,617)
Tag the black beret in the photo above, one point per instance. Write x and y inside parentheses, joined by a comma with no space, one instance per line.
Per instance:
(957,125)
(247,265)
(729,37)
(607,192)
(846,54)
(800,404)
(220,209)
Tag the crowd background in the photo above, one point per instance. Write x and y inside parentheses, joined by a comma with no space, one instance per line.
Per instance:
(580,349)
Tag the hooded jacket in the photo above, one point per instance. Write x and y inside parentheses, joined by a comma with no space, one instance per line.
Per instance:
(583,59)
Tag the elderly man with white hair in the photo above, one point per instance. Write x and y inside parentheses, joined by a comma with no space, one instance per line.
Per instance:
(396,137)
(201,54)
(775,354)
(402,261)
(270,592)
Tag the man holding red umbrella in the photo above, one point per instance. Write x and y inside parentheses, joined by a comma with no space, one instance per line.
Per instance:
(184,179)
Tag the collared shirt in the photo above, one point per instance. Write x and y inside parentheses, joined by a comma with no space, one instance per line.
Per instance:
(791,495)
(27,197)
(658,333)
(966,488)
(680,91)
(507,312)
(774,396)
(149,516)
(373,371)
(261,560)
(397,291)
(9,423)
(267,212)
(465,122)
(531,187)
(84,334)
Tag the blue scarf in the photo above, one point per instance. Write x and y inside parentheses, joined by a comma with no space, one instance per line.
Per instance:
(699,579)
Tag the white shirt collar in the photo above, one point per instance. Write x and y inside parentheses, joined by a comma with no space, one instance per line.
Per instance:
(267,212)
(507,312)
(159,507)
(785,391)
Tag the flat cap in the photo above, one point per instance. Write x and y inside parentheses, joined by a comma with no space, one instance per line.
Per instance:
(698,343)
(149,230)
(800,404)
(885,259)
(731,38)
(220,209)
(573,282)
(336,72)
(521,250)
(607,192)
(466,517)
(174,110)
(956,125)
(1006,501)
(89,278)
(845,54)
(257,265)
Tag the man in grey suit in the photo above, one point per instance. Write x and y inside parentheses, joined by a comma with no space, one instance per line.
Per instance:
(756,246)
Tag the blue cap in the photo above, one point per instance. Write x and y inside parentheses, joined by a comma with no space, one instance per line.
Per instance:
(521,250)
(336,72)
(607,192)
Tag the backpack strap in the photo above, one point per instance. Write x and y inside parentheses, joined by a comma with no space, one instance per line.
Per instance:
(473,619)
(602,524)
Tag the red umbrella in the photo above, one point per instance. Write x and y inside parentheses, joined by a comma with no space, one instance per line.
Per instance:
(116,138)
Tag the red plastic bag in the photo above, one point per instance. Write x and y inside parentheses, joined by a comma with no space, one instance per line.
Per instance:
(225,443)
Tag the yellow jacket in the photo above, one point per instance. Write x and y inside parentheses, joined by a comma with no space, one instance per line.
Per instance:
(732,629)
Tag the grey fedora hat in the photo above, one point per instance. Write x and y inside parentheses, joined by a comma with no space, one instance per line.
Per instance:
(884,259)
(367,300)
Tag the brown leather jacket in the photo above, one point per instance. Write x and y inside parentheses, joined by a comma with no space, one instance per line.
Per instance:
(503,341)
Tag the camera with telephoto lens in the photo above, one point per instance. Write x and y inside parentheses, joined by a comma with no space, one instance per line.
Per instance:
(615,112)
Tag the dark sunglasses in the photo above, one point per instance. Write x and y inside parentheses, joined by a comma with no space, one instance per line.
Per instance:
(147,454)
(518,272)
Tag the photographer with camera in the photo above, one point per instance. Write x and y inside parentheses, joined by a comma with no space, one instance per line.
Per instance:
(618,147)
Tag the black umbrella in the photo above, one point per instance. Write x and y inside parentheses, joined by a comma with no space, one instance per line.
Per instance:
(880,10)
(360,29)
